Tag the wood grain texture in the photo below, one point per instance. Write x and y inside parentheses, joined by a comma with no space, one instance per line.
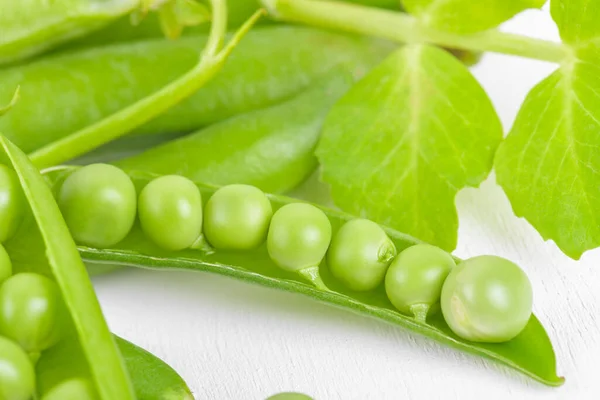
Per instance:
(233,341)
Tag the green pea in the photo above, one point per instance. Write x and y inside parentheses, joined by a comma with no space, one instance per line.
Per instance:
(414,281)
(237,217)
(170,212)
(290,396)
(298,239)
(98,202)
(12,203)
(31,311)
(5,265)
(487,299)
(72,389)
(360,254)
(17,376)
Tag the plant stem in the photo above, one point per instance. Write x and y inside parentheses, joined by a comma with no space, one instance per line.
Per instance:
(401,27)
(122,122)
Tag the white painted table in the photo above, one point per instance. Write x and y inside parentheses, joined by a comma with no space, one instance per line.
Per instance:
(235,341)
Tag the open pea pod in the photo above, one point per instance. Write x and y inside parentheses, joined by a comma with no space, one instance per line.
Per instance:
(530,353)
(42,244)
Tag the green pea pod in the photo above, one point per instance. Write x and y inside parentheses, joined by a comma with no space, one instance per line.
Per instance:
(33,26)
(247,148)
(42,244)
(65,93)
(152,379)
(530,353)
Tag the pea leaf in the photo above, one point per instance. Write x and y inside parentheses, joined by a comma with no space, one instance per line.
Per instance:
(549,165)
(404,140)
(467,16)
(577,20)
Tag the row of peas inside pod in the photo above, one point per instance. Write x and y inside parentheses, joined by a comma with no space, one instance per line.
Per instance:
(33,316)
(483,299)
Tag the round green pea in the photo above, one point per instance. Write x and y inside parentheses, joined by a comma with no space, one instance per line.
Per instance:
(12,203)
(72,389)
(290,396)
(98,202)
(298,237)
(170,212)
(5,265)
(360,254)
(31,311)
(487,299)
(17,376)
(414,281)
(237,218)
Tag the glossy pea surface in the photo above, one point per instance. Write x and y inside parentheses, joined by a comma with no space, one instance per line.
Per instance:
(98,202)
(170,212)
(290,396)
(298,237)
(414,281)
(5,265)
(237,217)
(360,254)
(12,203)
(487,299)
(31,311)
(17,376)
(72,389)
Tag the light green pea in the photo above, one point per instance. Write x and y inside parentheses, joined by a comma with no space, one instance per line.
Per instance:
(414,281)
(72,389)
(12,203)
(290,396)
(237,218)
(170,212)
(5,265)
(32,311)
(17,376)
(487,299)
(360,254)
(298,239)
(98,202)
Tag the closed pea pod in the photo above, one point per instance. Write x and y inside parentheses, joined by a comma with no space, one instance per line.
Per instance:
(5,265)
(298,239)
(31,311)
(487,299)
(414,281)
(98,203)
(237,217)
(360,254)
(170,212)
(11,203)
(17,376)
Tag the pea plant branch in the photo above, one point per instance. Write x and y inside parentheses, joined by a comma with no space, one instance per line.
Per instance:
(122,122)
(404,28)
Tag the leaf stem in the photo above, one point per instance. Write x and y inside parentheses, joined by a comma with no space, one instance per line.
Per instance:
(401,27)
(212,60)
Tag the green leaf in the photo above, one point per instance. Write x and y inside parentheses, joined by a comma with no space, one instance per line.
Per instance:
(467,16)
(57,256)
(549,165)
(578,20)
(272,148)
(530,352)
(405,139)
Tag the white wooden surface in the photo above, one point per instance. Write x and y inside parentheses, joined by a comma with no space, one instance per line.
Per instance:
(232,340)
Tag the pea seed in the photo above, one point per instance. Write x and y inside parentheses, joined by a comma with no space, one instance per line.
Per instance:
(360,254)
(237,218)
(12,203)
(98,202)
(170,212)
(17,376)
(487,299)
(72,389)
(290,396)
(414,281)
